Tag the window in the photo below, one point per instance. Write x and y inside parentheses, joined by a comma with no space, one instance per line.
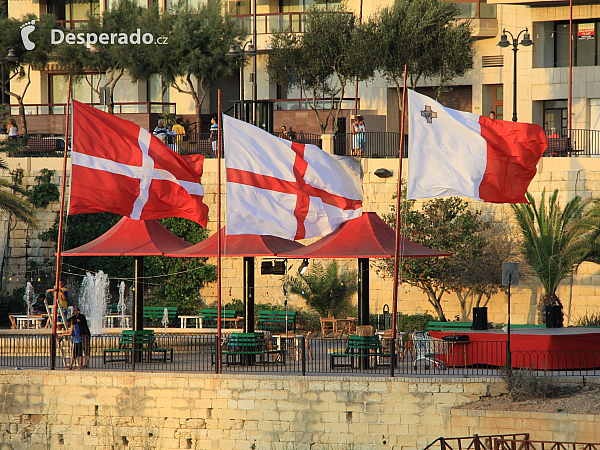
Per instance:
(476,9)
(499,101)
(555,114)
(585,43)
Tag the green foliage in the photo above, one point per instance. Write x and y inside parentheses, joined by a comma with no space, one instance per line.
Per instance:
(236,305)
(325,290)
(444,224)
(417,322)
(44,191)
(334,50)
(590,319)
(12,203)
(551,243)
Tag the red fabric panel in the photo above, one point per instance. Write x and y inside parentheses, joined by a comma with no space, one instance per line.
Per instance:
(539,349)
(513,151)
(367,236)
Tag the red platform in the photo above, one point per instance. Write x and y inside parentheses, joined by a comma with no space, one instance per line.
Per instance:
(534,348)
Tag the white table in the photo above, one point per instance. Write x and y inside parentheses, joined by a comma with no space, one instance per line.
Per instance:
(184,319)
(28,322)
(124,320)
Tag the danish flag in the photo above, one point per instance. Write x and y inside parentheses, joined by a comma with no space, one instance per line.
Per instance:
(280,188)
(120,167)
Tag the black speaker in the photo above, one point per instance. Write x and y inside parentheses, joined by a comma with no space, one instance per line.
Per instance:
(480,318)
(554,317)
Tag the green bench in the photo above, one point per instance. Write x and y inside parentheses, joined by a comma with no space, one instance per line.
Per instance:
(209,317)
(443,326)
(275,321)
(363,349)
(240,346)
(112,308)
(155,314)
(145,344)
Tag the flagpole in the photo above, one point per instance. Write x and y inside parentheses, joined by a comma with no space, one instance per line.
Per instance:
(60,234)
(397,244)
(220,140)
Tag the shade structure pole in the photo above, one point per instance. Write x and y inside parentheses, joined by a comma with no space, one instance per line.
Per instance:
(219,302)
(60,231)
(397,243)
(138,311)
(363,291)
(249,294)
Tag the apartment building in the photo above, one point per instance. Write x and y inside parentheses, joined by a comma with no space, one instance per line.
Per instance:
(542,72)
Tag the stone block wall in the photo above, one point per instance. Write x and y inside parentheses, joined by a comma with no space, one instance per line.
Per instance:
(100,410)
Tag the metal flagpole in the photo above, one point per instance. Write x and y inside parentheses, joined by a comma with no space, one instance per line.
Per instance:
(397,245)
(60,234)
(220,150)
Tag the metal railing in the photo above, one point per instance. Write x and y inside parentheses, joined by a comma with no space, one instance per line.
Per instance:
(36,144)
(374,145)
(268,23)
(475,442)
(573,142)
(119,108)
(299,355)
(526,444)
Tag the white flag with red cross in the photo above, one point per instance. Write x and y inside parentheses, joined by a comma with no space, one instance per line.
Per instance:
(280,188)
(119,167)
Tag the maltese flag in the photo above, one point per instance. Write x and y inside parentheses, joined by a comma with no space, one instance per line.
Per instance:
(280,188)
(454,153)
(119,167)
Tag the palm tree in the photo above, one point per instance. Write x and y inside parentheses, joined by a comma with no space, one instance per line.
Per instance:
(551,243)
(590,225)
(325,290)
(13,204)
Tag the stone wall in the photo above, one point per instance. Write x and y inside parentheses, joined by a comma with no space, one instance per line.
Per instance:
(75,410)
(571,176)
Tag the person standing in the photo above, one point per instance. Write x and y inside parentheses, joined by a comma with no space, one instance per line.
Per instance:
(160,129)
(284,133)
(84,331)
(62,294)
(214,135)
(358,138)
(179,130)
(13,130)
(74,332)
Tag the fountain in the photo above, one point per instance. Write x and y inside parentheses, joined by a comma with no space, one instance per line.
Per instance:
(93,299)
(29,297)
(122,305)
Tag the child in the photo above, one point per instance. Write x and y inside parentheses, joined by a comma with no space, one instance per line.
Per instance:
(77,343)
(214,135)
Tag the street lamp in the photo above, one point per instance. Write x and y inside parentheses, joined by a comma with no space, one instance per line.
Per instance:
(11,57)
(504,42)
(240,52)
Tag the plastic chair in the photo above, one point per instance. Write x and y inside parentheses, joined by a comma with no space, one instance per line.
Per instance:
(427,349)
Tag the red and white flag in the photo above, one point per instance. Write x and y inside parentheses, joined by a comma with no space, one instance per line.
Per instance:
(454,153)
(280,188)
(120,167)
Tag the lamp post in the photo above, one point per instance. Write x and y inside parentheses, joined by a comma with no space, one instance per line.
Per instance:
(236,50)
(10,57)
(504,42)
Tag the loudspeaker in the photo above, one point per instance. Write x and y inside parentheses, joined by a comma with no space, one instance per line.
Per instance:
(480,318)
(554,317)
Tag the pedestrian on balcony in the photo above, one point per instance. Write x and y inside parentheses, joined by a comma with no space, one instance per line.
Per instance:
(492,115)
(13,130)
(284,132)
(160,129)
(179,131)
(358,138)
(214,135)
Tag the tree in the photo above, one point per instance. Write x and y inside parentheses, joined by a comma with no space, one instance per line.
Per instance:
(199,39)
(425,36)
(551,243)
(334,50)
(27,60)
(444,224)
(14,204)
(101,66)
(325,290)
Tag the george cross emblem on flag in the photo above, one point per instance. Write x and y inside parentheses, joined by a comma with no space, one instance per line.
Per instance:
(429,114)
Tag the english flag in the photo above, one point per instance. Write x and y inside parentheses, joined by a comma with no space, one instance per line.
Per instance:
(454,153)
(280,188)
(120,167)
